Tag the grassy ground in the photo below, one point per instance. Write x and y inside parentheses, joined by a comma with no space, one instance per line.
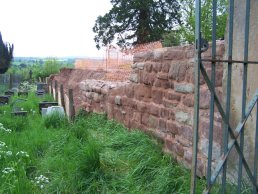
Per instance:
(90,155)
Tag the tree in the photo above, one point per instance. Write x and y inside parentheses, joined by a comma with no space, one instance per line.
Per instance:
(188,17)
(136,22)
(185,33)
(6,55)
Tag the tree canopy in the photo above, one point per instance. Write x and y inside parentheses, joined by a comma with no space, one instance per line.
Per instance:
(186,31)
(136,22)
(6,55)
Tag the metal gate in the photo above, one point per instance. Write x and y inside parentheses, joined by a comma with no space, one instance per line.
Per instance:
(232,137)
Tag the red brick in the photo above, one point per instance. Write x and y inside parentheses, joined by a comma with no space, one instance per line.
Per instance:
(129,90)
(142,107)
(156,67)
(165,67)
(173,96)
(188,100)
(172,127)
(186,132)
(161,84)
(170,103)
(162,76)
(148,78)
(141,91)
(164,113)
(148,67)
(145,119)
(153,122)
(154,110)
(162,125)
(137,117)
(157,95)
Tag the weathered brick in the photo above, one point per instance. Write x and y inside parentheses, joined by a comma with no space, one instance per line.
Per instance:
(129,91)
(154,110)
(118,100)
(184,117)
(153,122)
(178,71)
(165,67)
(137,117)
(170,103)
(173,96)
(142,91)
(172,127)
(143,56)
(164,112)
(161,84)
(162,125)
(142,106)
(157,95)
(148,78)
(162,76)
(156,67)
(184,88)
(188,100)
(134,78)
(172,54)
(186,132)
(148,67)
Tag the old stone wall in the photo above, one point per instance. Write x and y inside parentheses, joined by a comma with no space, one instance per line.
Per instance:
(159,99)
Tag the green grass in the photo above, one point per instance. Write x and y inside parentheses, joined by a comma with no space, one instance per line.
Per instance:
(90,155)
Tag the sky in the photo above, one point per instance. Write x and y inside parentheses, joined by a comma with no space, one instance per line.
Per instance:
(51,28)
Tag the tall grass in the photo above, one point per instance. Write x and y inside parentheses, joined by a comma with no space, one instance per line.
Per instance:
(89,155)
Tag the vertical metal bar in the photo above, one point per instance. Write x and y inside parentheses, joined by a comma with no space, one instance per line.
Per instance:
(256,150)
(196,93)
(247,23)
(225,131)
(213,69)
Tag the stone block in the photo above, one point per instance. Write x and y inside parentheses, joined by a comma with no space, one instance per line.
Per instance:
(145,119)
(172,54)
(178,71)
(142,106)
(153,122)
(129,91)
(184,88)
(148,78)
(165,67)
(154,110)
(188,100)
(170,103)
(164,113)
(118,100)
(162,76)
(157,95)
(143,56)
(204,146)
(159,83)
(163,125)
(186,132)
(158,54)
(142,91)
(137,117)
(184,142)
(156,67)
(172,127)
(148,67)
(173,96)
(204,130)
(134,78)
(184,117)
(140,66)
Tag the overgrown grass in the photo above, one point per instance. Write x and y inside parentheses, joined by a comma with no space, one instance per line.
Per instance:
(90,155)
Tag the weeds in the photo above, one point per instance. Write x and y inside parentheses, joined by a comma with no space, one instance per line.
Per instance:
(90,155)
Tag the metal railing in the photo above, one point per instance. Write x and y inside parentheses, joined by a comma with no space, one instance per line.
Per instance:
(230,135)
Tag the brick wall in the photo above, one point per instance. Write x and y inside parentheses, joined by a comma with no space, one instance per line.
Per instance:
(159,99)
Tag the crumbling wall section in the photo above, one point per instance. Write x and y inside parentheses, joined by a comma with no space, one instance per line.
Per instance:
(159,99)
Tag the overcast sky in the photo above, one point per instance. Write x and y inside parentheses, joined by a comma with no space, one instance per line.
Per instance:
(51,28)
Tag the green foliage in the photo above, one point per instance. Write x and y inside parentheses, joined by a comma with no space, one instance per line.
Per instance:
(89,155)
(136,22)
(172,38)
(188,17)
(6,55)
(55,121)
